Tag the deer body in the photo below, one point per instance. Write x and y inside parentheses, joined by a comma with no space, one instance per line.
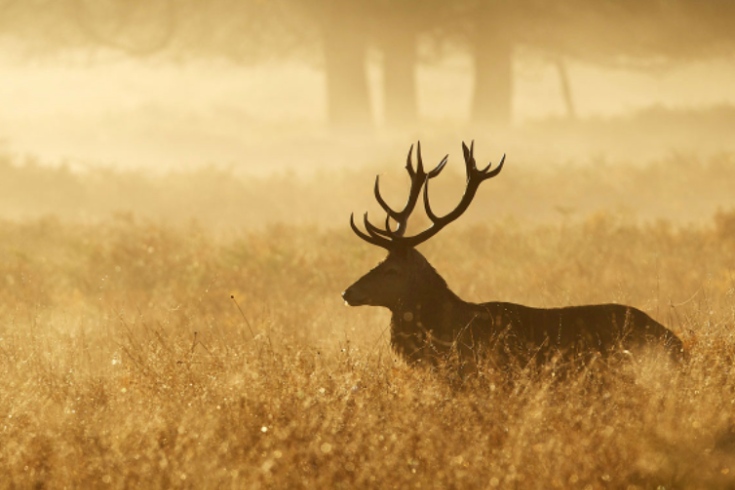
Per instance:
(429,322)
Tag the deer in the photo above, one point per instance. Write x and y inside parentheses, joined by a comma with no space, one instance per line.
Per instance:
(430,324)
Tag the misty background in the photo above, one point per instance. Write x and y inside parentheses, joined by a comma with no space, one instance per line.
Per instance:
(171,108)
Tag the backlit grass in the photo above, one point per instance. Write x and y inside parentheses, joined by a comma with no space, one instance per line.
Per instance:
(126,361)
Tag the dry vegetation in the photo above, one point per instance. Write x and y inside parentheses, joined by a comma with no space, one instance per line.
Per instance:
(126,363)
(680,188)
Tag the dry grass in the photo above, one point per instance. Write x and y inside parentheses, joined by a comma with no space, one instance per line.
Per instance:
(126,363)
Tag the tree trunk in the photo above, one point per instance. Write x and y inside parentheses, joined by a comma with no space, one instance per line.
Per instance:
(399,76)
(345,49)
(566,89)
(493,88)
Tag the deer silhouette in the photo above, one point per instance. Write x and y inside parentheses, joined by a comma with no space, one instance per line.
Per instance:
(430,323)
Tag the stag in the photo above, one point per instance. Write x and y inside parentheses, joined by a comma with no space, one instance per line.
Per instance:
(430,323)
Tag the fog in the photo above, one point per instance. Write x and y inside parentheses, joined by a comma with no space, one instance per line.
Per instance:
(176,184)
(124,112)
(296,106)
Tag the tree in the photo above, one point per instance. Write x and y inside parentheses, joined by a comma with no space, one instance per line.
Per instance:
(635,34)
(336,35)
(348,30)
(396,35)
(343,28)
(491,44)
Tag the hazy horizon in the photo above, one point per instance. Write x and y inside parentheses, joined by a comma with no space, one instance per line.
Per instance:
(126,113)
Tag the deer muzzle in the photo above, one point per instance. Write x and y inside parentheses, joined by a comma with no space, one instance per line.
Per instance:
(353,297)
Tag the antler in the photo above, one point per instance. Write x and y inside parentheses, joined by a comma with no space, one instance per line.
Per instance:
(392,239)
(475,177)
(388,238)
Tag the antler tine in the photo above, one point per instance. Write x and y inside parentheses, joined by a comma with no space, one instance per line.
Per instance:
(494,172)
(429,213)
(409,160)
(419,159)
(469,158)
(438,169)
(471,164)
(373,230)
(417,179)
(418,176)
(376,190)
(373,239)
(432,174)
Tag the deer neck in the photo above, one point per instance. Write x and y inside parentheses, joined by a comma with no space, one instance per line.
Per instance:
(429,309)
(422,326)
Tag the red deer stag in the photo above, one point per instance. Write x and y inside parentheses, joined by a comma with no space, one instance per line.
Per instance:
(429,322)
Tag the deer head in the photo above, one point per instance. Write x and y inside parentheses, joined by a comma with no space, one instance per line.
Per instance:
(405,273)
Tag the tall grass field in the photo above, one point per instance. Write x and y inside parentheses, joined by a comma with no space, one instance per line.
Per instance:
(205,350)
